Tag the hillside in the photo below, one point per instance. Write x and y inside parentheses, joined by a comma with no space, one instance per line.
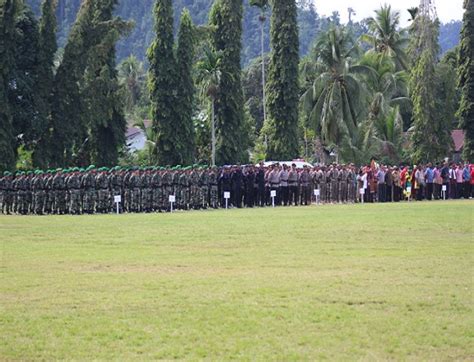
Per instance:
(140,12)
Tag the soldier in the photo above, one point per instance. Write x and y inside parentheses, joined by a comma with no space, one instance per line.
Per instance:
(305,183)
(195,200)
(213,188)
(135,187)
(342,184)
(167,188)
(28,193)
(59,188)
(333,177)
(156,185)
(259,185)
(284,191)
(127,193)
(176,184)
(249,183)
(2,191)
(204,187)
(38,190)
(88,184)
(73,186)
(147,194)
(225,184)
(116,184)
(7,205)
(237,182)
(49,194)
(293,185)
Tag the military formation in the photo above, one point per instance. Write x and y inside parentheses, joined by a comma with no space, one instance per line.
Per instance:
(93,190)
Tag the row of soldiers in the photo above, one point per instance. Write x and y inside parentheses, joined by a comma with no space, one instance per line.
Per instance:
(93,190)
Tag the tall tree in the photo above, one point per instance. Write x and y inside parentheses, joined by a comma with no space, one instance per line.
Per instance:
(226,23)
(186,91)
(466,80)
(101,93)
(385,36)
(46,54)
(163,85)
(431,134)
(335,102)
(8,11)
(282,87)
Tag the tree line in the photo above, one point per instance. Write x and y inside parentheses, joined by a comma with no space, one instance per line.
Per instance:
(356,94)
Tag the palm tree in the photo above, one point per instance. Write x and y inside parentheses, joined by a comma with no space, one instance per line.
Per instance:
(151,137)
(334,101)
(388,88)
(385,36)
(263,6)
(209,77)
(131,75)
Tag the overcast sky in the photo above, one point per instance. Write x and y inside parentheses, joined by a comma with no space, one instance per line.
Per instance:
(447,9)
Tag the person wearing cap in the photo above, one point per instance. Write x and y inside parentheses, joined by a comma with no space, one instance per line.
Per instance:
(59,187)
(204,187)
(284,179)
(38,192)
(7,192)
(213,177)
(259,185)
(73,186)
(88,187)
(146,191)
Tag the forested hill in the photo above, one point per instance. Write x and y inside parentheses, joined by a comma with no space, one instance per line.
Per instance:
(310,23)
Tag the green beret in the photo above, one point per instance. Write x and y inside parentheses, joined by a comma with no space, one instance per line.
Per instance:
(7,173)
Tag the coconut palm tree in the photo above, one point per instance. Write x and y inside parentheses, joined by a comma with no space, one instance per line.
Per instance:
(209,76)
(263,6)
(385,36)
(150,140)
(334,102)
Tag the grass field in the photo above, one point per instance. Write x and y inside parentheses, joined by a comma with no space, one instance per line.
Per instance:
(391,281)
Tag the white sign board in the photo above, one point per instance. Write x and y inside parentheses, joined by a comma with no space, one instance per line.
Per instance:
(409,189)
(117,199)
(362,191)
(444,188)
(273,193)
(172,198)
(226,195)
(317,192)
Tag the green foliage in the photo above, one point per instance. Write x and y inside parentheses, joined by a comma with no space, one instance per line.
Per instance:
(133,81)
(282,86)
(466,80)
(8,11)
(385,36)
(186,90)
(226,23)
(431,133)
(163,85)
(46,53)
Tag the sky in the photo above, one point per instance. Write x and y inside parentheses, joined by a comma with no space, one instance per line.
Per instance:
(447,9)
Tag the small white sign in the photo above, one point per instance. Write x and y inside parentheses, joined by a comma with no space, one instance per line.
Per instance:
(409,189)
(362,191)
(444,188)
(317,192)
(273,193)
(172,198)
(226,195)
(117,199)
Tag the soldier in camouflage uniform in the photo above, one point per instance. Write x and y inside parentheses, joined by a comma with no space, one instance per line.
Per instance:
(88,189)
(157,190)
(135,191)
(184,189)
(204,187)
(176,184)
(49,194)
(116,184)
(213,188)
(38,190)
(73,184)
(7,204)
(332,176)
(28,195)
(342,184)
(103,204)
(167,179)
(59,188)
(147,194)
(195,200)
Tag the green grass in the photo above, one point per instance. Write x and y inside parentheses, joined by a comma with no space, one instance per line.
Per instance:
(391,281)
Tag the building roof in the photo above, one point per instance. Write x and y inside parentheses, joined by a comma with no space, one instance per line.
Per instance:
(133,131)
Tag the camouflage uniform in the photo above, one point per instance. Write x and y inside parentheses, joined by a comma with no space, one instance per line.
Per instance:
(116,184)
(73,184)
(38,189)
(49,194)
(88,188)
(135,192)
(7,205)
(59,188)
(195,200)
(343,185)
(204,188)
(176,186)
(147,195)
(184,191)
(213,190)
(167,189)
(157,191)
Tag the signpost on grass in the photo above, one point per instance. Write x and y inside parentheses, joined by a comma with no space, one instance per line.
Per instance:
(273,194)
(118,200)
(172,200)
(226,197)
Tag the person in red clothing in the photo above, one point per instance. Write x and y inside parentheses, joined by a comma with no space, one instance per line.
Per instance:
(472,181)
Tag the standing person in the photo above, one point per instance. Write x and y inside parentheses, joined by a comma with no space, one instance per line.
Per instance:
(237,181)
(284,177)
(466,177)
(419,182)
(472,181)
(437,182)
(59,187)
(459,181)
(388,184)
(7,203)
(225,184)
(445,175)
(381,184)
(305,182)
(397,189)
(260,182)
(452,181)
(213,188)
(73,184)
(204,187)
(429,180)
(293,185)
(274,181)
(249,182)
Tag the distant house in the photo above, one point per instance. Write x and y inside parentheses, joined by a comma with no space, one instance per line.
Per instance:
(458,143)
(136,138)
